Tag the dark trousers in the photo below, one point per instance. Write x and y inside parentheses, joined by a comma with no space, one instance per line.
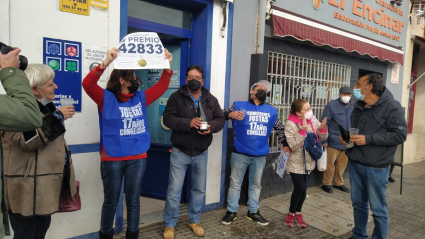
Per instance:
(113,173)
(29,227)
(299,193)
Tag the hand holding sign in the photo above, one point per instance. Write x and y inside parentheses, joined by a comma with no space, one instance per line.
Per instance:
(142,50)
(110,56)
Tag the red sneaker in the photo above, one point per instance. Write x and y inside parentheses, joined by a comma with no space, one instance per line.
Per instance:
(300,220)
(289,220)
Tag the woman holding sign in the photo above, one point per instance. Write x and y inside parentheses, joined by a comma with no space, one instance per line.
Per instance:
(124,137)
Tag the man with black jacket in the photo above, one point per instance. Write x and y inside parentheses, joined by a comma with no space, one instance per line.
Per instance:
(190,147)
(382,127)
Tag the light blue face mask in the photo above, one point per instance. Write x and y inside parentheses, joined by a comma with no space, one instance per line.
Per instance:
(358,94)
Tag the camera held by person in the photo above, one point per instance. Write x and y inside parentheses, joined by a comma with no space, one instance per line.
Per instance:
(23,62)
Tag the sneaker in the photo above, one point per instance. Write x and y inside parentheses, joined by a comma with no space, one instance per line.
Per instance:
(327,188)
(289,220)
(300,220)
(228,218)
(391,179)
(256,217)
(342,188)
(169,233)
(197,229)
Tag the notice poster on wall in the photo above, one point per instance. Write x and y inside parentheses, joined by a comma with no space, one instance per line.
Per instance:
(141,50)
(153,77)
(162,104)
(175,80)
(92,57)
(306,91)
(64,57)
(334,93)
(322,92)
(395,73)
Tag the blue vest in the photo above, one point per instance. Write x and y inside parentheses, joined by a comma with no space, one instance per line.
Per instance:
(124,126)
(253,132)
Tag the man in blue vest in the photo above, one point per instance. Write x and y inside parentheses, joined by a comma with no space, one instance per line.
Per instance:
(336,111)
(253,122)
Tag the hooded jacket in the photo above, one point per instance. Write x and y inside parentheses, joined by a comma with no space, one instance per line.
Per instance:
(384,127)
(178,113)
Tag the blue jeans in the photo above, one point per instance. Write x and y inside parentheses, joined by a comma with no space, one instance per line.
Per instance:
(369,185)
(113,173)
(179,162)
(239,163)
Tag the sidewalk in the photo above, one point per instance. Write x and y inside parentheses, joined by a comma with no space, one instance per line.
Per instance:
(327,215)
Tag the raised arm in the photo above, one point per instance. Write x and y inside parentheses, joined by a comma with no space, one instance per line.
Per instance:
(18,108)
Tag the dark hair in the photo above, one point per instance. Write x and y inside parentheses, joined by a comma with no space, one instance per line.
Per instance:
(195,67)
(378,84)
(114,84)
(297,105)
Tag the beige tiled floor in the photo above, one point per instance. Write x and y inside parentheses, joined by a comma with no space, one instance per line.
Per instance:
(147,205)
(325,213)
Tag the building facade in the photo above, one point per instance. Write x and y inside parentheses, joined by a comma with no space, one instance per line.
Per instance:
(309,49)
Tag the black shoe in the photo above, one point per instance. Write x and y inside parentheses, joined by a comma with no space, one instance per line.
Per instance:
(228,218)
(132,235)
(328,189)
(352,237)
(391,179)
(256,217)
(342,188)
(108,235)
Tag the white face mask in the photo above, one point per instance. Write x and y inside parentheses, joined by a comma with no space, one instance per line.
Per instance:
(345,99)
(43,100)
(309,115)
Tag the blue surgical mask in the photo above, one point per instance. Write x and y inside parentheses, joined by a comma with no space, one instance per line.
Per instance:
(358,93)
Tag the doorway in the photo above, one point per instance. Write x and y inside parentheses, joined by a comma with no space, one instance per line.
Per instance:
(175,23)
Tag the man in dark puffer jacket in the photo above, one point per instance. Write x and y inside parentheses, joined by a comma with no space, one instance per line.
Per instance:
(190,146)
(382,127)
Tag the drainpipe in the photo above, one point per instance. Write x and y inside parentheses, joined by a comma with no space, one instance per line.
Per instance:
(261,26)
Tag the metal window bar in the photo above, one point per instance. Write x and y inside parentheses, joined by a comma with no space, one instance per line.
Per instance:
(295,77)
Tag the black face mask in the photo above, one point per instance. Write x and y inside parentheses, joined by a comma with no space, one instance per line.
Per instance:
(194,85)
(261,95)
(134,86)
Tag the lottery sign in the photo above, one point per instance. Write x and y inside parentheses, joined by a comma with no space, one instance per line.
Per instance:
(141,50)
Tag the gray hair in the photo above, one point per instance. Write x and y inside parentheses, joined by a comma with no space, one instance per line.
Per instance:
(38,74)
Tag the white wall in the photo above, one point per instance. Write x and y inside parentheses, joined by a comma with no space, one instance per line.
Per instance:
(29,22)
(217,83)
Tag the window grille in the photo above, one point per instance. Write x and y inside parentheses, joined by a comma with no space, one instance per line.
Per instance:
(294,77)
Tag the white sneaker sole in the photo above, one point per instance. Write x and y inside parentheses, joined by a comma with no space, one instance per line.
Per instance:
(228,223)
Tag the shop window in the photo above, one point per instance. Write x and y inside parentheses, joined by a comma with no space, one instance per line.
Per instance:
(296,77)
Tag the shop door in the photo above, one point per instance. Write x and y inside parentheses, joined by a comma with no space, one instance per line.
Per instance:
(155,180)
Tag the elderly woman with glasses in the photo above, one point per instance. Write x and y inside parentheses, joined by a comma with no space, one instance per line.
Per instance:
(37,163)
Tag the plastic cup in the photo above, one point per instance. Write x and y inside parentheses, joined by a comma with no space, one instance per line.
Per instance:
(243,111)
(66,101)
(353,131)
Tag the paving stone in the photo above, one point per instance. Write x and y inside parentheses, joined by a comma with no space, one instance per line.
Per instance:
(406,212)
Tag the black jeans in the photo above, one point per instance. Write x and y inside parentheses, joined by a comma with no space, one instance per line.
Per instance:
(29,227)
(299,193)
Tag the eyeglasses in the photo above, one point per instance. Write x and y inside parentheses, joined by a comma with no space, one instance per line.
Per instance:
(198,78)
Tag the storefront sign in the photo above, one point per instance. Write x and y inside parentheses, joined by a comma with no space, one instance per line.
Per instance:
(141,50)
(395,73)
(100,3)
(94,56)
(64,57)
(81,7)
(371,18)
